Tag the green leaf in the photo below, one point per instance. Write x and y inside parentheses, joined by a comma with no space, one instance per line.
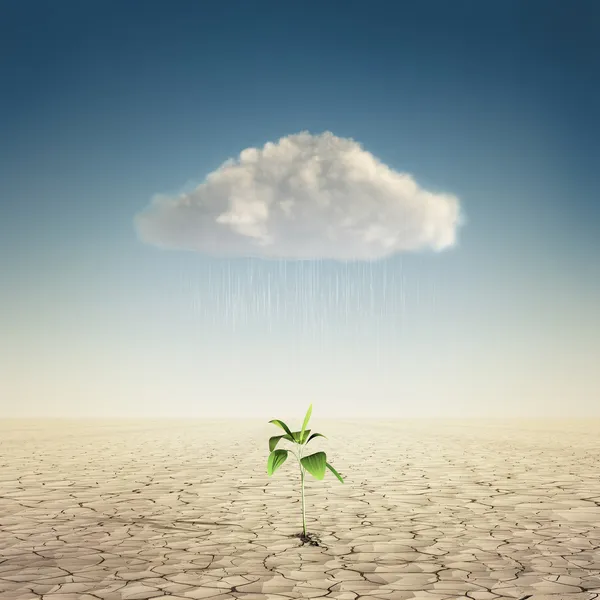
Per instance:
(306,418)
(334,472)
(282,425)
(297,438)
(274,441)
(305,437)
(314,435)
(315,464)
(276,459)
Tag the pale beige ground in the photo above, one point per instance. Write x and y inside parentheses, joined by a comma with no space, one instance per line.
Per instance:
(433,510)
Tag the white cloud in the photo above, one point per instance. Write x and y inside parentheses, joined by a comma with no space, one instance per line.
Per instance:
(305,196)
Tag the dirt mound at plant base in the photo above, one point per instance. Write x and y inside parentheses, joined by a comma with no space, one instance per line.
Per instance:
(310,538)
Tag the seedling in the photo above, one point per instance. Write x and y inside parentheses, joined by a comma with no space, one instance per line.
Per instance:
(315,464)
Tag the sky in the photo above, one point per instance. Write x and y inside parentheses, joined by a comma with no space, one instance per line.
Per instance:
(123,126)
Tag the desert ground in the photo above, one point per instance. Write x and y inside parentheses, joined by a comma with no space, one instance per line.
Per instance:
(430,510)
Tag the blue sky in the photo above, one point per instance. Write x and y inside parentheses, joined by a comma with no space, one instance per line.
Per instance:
(106,104)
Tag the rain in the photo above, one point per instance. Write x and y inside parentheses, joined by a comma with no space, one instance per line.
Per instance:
(313,303)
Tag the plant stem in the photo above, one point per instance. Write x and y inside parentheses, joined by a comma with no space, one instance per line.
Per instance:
(303,510)
(299,457)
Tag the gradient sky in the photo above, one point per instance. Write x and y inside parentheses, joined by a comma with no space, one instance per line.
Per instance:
(104,104)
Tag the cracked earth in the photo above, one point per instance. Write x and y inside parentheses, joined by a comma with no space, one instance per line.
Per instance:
(430,510)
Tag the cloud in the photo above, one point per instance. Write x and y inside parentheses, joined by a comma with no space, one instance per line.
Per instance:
(303,197)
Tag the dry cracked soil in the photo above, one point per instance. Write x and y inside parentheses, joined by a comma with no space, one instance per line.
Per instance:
(433,510)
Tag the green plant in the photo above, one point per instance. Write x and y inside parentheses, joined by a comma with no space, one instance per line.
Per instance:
(315,464)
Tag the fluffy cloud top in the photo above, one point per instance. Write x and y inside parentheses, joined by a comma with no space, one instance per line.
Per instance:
(304,197)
